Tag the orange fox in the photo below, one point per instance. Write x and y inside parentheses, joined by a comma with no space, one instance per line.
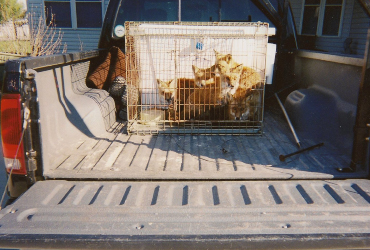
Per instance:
(225,58)
(243,105)
(202,100)
(182,87)
(237,77)
(201,76)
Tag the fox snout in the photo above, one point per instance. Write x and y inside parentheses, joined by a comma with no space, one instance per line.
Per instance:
(168,97)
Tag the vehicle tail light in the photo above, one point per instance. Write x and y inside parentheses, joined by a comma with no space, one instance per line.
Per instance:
(11,132)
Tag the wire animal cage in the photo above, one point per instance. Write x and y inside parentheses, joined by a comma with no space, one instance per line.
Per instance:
(198,78)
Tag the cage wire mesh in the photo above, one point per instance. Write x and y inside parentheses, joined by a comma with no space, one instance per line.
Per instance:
(205,78)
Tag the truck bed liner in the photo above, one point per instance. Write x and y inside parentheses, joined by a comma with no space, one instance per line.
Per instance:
(163,214)
(122,156)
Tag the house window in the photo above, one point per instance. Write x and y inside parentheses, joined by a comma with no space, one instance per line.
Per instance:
(59,12)
(322,17)
(74,13)
(89,13)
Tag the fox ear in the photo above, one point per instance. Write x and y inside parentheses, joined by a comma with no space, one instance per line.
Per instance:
(218,55)
(162,84)
(172,84)
(238,68)
(228,58)
(195,69)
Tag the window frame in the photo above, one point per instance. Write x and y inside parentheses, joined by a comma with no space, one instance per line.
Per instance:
(320,21)
(74,13)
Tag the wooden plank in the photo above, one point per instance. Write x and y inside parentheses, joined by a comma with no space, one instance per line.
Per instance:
(76,154)
(243,161)
(191,154)
(88,145)
(72,162)
(175,154)
(124,160)
(207,157)
(97,152)
(107,161)
(158,158)
(60,159)
(225,162)
(143,154)
(250,152)
(260,145)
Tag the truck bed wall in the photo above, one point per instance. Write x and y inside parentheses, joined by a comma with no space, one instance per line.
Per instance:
(69,111)
(324,106)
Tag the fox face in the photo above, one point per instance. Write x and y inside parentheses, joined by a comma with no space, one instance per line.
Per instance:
(243,106)
(230,77)
(167,90)
(229,70)
(225,58)
(238,112)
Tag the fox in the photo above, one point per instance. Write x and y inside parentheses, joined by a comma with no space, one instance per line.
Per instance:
(201,76)
(225,58)
(238,77)
(235,75)
(202,100)
(166,90)
(244,105)
(230,77)
(182,87)
(249,78)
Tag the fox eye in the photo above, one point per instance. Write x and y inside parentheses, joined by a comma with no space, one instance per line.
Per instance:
(234,109)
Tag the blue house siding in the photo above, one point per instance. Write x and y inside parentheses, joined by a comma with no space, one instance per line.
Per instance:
(355,24)
(81,39)
(336,44)
(359,27)
(76,39)
(297,8)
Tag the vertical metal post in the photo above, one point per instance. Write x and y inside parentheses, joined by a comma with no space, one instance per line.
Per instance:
(179,13)
(361,131)
(288,120)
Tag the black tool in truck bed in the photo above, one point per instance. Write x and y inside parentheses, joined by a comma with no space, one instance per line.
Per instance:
(160,180)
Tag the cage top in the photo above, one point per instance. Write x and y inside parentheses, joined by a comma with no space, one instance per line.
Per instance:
(199,28)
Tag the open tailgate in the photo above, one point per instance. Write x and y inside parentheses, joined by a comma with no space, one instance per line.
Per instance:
(167,215)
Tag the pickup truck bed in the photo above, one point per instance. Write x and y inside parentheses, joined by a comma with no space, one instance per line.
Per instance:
(196,214)
(198,157)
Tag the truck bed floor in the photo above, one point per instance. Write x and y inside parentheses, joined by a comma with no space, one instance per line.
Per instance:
(200,157)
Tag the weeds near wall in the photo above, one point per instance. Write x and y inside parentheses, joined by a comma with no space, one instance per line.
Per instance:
(46,39)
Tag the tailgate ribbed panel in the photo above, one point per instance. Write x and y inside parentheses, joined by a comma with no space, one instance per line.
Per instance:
(190,208)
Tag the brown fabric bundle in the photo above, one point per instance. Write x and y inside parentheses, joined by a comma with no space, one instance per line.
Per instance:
(113,66)
(118,64)
(100,74)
